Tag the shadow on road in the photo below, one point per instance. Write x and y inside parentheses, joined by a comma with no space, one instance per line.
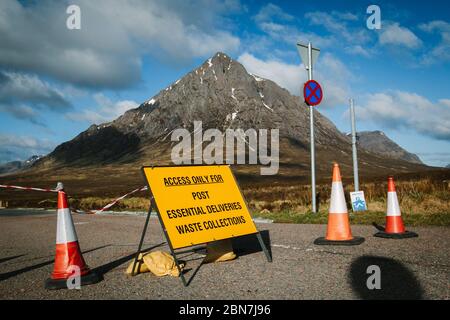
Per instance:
(241,246)
(249,244)
(397,281)
(7,275)
(103,269)
(10,258)
(194,273)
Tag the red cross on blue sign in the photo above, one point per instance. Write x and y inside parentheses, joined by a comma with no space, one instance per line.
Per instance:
(312,92)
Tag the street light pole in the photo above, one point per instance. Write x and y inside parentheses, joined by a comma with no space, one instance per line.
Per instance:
(355,156)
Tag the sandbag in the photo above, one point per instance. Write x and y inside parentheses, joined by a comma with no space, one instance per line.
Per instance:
(140,267)
(161,264)
(218,251)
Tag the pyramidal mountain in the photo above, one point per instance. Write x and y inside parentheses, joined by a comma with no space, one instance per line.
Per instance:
(221,94)
(378,142)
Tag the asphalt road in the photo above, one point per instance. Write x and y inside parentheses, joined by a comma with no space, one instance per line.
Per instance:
(416,268)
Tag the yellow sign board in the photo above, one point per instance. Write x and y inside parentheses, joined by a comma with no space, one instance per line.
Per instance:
(199,204)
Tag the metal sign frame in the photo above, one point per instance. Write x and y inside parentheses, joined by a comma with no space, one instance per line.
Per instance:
(172,251)
(303,51)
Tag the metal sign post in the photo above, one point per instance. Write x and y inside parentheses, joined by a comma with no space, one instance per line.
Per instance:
(309,55)
(355,156)
(311,129)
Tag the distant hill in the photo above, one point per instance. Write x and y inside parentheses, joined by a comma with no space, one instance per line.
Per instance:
(378,142)
(15,166)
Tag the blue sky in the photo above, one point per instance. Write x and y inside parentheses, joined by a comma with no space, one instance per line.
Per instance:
(55,82)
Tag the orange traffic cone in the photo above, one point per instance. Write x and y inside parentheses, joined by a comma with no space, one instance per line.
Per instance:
(338,228)
(394,222)
(68,257)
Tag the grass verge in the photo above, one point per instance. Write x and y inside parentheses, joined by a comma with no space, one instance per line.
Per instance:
(364,218)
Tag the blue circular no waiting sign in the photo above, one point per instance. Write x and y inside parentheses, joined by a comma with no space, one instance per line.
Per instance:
(312,91)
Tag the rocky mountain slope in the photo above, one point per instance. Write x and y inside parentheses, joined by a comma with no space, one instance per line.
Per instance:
(378,142)
(221,94)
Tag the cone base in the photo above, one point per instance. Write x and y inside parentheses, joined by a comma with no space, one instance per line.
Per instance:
(56,284)
(352,242)
(403,235)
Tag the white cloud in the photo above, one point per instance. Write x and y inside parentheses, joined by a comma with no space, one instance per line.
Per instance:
(336,24)
(341,32)
(105,110)
(18,87)
(14,147)
(436,25)
(270,12)
(440,159)
(89,116)
(288,76)
(394,34)
(277,24)
(345,15)
(441,52)
(359,51)
(23,96)
(23,142)
(400,109)
(114,37)
(332,74)
(335,78)
(291,35)
(21,112)
(445,102)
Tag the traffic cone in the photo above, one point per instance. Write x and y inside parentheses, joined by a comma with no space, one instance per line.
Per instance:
(394,223)
(338,228)
(68,257)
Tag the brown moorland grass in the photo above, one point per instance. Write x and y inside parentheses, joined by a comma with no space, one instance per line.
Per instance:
(423,202)
(424,196)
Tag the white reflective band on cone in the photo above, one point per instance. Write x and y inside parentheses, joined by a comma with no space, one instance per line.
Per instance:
(393,208)
(338,204)
(65,230)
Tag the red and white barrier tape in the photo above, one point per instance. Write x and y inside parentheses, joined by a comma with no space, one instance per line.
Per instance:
(90,212)
(117,200)
(26,188)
